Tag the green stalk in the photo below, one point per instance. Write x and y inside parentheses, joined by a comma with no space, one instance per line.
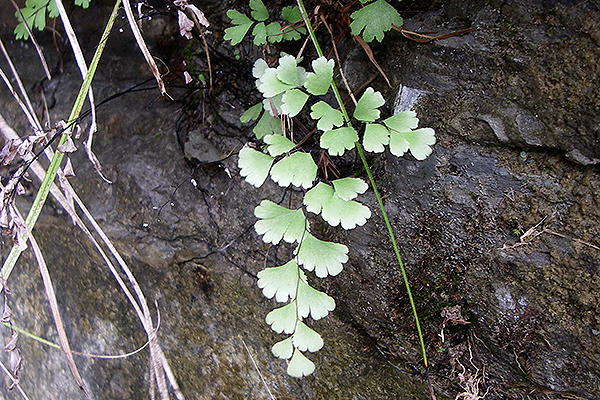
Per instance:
(372,180)
(42,193)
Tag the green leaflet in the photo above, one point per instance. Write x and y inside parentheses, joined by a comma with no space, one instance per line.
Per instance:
(312,302)
(292,15)
(306,339)
(283,319)
(281,282)
(283,349)
(259,11)
(267,124)
(273,105)
(327,117)
(278,144)
(318,82)
(419,142)
(402,122)
(274,32)
(289,73)
(241,26)
(298,169)
(277,222)
(274,81)
(254,166)
(347,213)
(349,188)
(376,136)
(404,138)
(293,102)
(334,210)
(339,140)
(374,19)
(325,258)
(80,3)
(35,12)
(299,365)
(260,34)
(270,85)
(367,107)
(251,114)
(259,68)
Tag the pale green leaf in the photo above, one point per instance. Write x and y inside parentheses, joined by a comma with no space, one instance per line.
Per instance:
(318,82)
(283,319)
(259,68)
(367,107)
(251,114)
(267,124)
(402,122)
(306,339)
(292,15)
(259,11)
(270,85)
(254,165)
(327,117)
(273,105)
(289,73)
(419,142)
(277,222)
(325,258)
(339,140)
(374,19)
(53,8)
(293,101)
(347,213)
(278,144)
(317,197)
(334,210)
(312,302)
(274,32)
(260,34)
(299,365)
(241,26)
(297,169)
(348,188)
(376,136)
(80,3)
(283,349)
(281,282)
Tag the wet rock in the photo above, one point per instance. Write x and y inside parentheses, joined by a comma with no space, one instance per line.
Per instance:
(502,220)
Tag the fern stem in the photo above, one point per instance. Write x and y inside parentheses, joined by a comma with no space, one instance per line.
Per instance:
(395,246)
(311,31)
(372,180)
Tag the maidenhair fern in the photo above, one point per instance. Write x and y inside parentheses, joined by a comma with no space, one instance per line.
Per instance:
(34,15)
(287,89)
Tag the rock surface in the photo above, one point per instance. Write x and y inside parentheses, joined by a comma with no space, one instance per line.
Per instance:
(498,228)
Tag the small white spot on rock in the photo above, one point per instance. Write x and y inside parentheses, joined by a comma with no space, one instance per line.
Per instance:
(505,299)
(406,98)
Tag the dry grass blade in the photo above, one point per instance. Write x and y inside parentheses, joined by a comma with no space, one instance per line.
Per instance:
(140,308)
(30,118)
(35,43)
(37,126)
(369,52)
(83,69)
(62,334)
(14,381)
(142,45)
(77,353)
(262,378)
